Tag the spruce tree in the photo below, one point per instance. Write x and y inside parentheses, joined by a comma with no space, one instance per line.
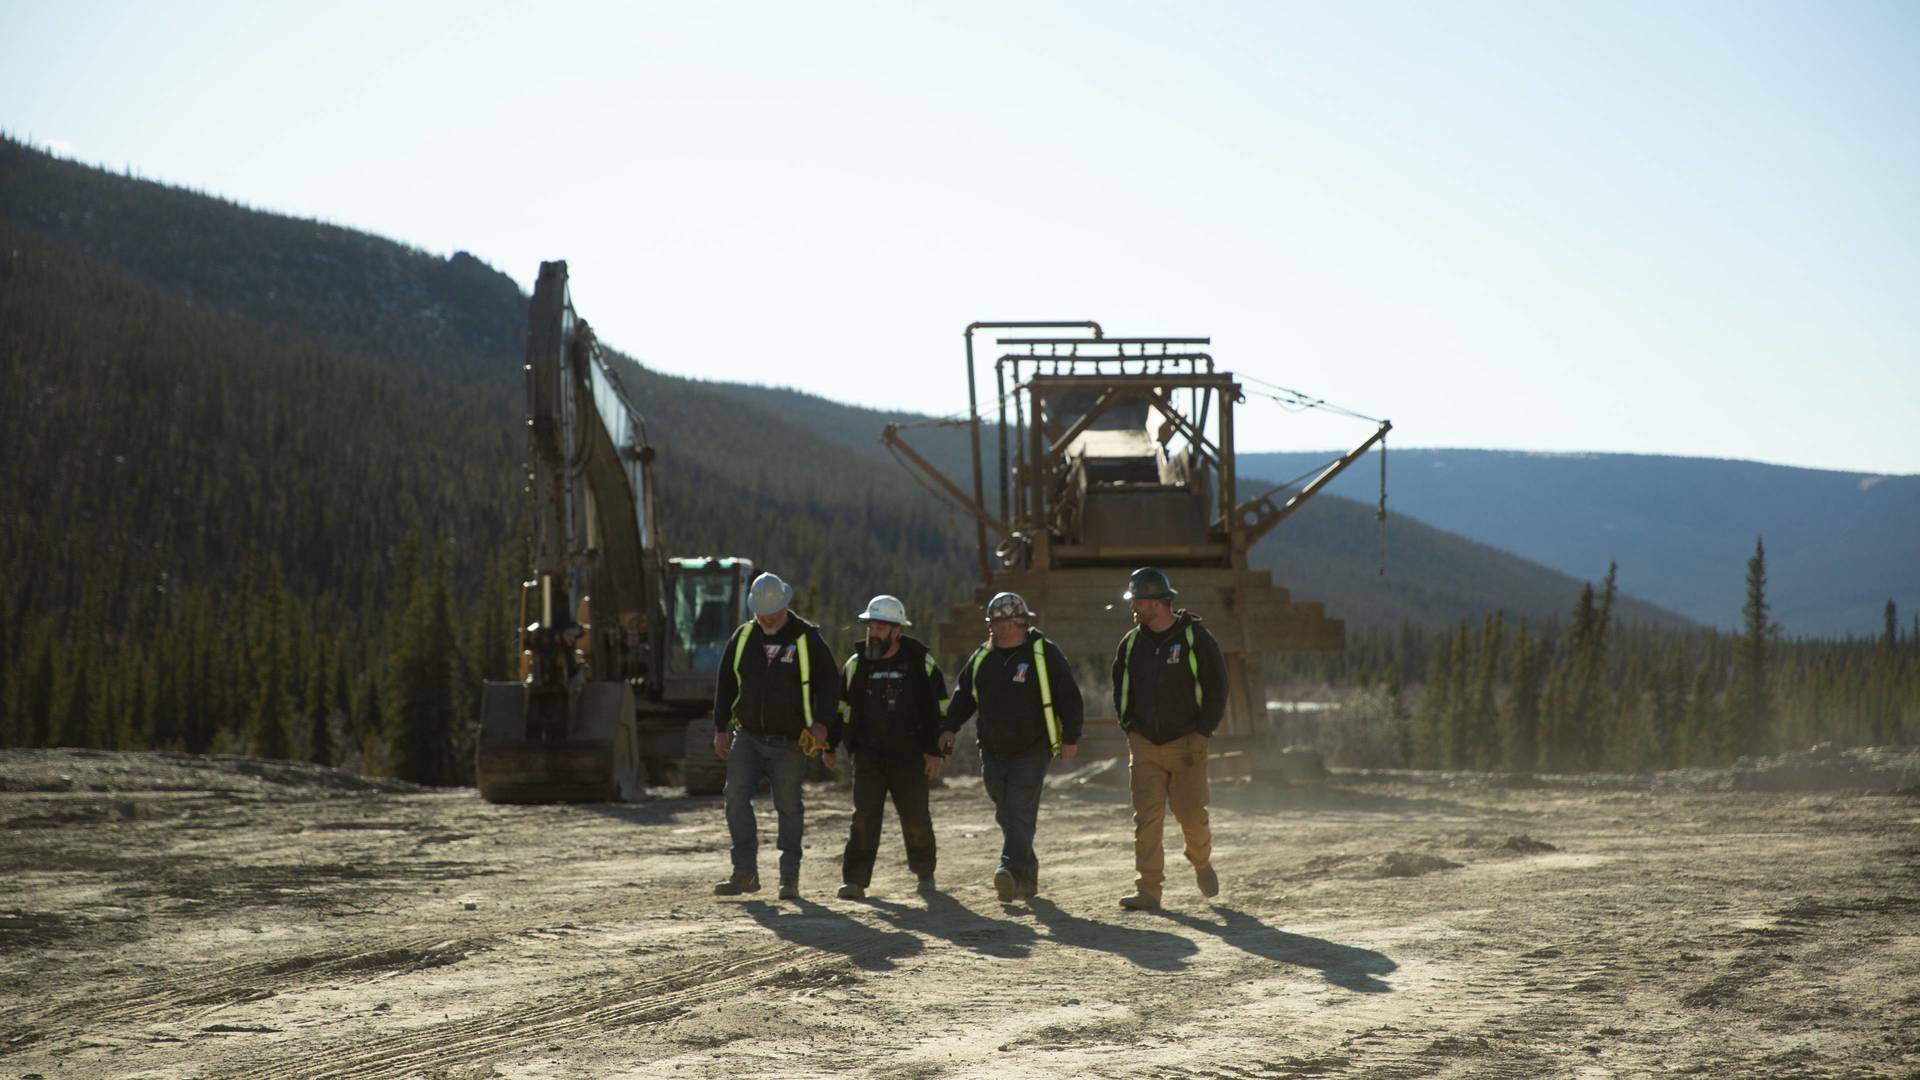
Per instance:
(1482,734)
(1430,732)
(267,734)
(1459,699)
(419,706)
(1520,719)
(319,734)
(1751,702)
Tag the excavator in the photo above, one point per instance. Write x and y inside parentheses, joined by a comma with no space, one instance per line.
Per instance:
(619,644)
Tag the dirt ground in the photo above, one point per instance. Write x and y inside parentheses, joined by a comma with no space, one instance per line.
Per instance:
(170,916)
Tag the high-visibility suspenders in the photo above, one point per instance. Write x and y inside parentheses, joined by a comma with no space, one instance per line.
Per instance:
(1046,686)
(806,675)
(846,683)
(739,649)
(1126,669)
(1046,694)
(943,701)
(806,679)
(853,666)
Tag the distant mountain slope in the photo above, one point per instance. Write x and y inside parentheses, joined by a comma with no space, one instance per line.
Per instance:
(420,339)
(321,284)
(797,482)
(1839,545)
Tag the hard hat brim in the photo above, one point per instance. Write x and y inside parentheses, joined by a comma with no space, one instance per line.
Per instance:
(864,617)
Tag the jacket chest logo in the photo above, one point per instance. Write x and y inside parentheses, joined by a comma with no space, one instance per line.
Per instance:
(779,653)
(1020,672)
(1173,654)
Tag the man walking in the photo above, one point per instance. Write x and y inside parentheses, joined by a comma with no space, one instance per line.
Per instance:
(891,701)
(1030,710)
(774,694)
(1170,691)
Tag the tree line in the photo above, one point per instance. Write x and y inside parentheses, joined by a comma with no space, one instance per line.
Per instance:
(1593,694)
(215,539)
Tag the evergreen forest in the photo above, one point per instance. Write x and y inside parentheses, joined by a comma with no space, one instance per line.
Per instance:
(260,493)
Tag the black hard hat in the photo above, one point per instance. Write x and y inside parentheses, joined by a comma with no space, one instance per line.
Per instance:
(1149,583)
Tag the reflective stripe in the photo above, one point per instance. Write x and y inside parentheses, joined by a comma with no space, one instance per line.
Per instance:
(1126,669)
(739,650)
(806,679)
(1046,693)
(846,684)
(1193,665)
(942,701)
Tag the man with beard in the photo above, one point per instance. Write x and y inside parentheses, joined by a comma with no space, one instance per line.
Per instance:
(891,702)
(1170,692)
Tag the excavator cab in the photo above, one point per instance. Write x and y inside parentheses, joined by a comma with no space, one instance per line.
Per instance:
(707,600)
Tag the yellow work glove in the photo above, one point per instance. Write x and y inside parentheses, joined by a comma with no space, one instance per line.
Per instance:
(809,745)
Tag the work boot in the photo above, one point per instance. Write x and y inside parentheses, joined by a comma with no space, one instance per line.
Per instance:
(925,886)
(1140,901)
(789,888)
(851,891)
(1004,885)
(737,884)
(1208,881)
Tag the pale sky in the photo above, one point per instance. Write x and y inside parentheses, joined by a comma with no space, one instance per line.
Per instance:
(1684,227)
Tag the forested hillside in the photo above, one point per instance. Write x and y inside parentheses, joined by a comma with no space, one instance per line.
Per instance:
(293,279)
(260,489)
(229,513)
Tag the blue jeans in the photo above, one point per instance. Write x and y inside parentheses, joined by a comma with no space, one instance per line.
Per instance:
(780,760)
(1014,785)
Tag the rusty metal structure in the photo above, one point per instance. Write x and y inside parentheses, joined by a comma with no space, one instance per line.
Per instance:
(1115,453)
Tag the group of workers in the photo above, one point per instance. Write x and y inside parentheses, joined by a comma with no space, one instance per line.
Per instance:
(780,698)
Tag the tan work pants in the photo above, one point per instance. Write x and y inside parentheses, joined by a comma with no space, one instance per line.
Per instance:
(1175,773)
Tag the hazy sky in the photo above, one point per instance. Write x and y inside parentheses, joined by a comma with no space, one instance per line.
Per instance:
(1685,227)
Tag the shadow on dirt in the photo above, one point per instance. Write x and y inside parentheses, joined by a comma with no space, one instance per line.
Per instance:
(1360,970)
(1155,950)
(819,927)
(947,918)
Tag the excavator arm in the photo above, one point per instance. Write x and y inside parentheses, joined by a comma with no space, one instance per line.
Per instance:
(566,732)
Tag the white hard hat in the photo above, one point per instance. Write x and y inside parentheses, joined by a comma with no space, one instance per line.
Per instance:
(886,609)
(1008,605)
(768,594)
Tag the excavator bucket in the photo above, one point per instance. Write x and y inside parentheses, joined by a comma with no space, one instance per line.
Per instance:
(528,755)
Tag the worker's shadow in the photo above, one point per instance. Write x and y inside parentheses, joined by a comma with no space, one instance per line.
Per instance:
(1360,970)
(945,917)
(820,927)
(1156,950)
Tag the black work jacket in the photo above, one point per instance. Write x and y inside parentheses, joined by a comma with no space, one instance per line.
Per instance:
(1156,675)
(1004,685)
(914,728)
(759,687)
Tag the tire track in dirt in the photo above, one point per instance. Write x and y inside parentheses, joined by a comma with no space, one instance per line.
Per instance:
(165,998)
(643,1001)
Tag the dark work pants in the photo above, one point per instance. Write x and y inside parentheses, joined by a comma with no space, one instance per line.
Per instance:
(1014,785)
(780,761)
(874,777)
